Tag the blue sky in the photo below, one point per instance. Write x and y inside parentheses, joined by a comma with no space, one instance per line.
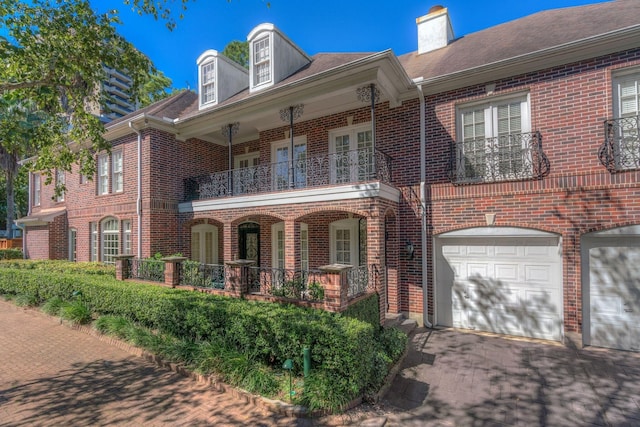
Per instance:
(315,26)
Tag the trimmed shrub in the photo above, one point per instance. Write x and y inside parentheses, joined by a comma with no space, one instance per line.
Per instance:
(367,310)
(11,254)
(244,341)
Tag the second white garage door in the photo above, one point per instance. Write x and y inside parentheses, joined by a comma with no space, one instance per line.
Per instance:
(502,284)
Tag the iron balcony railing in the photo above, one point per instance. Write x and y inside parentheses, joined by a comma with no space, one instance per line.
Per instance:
(503,158)
(621,147)
(330,169)
(362,279)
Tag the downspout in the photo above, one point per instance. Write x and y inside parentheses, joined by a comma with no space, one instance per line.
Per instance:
(423,207)
(139,185)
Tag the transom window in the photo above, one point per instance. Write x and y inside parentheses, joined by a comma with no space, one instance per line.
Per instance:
(261,61)
(208,82)
(494,141)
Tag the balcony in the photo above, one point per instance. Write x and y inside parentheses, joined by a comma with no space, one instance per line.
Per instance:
(504,158)
(621,147)
(351,167)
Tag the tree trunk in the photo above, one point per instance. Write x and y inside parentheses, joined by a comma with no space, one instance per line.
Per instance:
(10,173)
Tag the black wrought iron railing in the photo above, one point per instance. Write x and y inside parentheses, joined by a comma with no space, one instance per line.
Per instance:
(208,276)
(330,169)
(362,279)
(147,269)
(503,158)
(293,284)
(621,147)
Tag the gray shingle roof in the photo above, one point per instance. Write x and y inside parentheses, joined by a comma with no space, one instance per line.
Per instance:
(522,36)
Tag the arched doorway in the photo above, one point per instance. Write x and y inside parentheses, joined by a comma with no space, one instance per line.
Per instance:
(249,241)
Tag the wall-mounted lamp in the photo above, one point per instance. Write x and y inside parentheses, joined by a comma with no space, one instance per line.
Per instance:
(410,249)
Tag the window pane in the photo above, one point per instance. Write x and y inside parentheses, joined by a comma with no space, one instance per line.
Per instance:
(126,237)
(103,174)
(110,240)
(195,246)
(116,164)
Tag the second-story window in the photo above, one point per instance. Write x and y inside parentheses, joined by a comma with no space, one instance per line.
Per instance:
(37,189)
(60,183)
(626,124)
(208,88)
(261,61)
(110,173)
(494,141)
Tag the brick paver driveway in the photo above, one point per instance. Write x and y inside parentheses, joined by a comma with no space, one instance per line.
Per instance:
(53,375)
(453,378)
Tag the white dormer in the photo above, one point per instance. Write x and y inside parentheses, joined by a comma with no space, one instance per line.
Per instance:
(273,57)
(219,78)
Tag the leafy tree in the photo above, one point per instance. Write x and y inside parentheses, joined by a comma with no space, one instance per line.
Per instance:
(157,87)
(238,51)
(53,55)
(22,126)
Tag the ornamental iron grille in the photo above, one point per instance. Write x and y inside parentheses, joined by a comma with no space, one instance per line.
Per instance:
(293,284)
(621,148)
(208,276)
(361,280)
(510,157)
(147,269)
(330,169)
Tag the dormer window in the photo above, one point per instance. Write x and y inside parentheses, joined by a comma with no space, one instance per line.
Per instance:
(262,61)
(219,78)
(208,85)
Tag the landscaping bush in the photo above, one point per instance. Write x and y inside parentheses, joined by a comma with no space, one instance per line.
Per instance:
(246,342)
(11,254)
(367,310)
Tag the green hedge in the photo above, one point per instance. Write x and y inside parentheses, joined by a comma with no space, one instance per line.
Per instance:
(11,254)
(346,352)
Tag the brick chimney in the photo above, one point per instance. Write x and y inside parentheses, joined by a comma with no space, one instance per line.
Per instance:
(434,30)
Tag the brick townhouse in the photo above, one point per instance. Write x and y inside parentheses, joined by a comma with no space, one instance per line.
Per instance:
(487,182)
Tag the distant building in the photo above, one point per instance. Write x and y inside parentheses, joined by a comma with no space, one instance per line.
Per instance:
(117,87)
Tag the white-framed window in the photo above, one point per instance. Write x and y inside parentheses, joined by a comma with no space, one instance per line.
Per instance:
(351,153)
(261,61)
(93,241)
(494,140)
(110,170)
(343,235)
(37,189)
(626,112)
(245,173)
(116,172)
(109,239)
(126,237)
(289,166)
(277,242)
(60,183)
(73,244)
(208,82)
(103,174)
(304,247)
(204,243)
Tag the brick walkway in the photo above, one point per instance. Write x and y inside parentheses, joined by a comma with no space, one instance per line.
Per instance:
(53,375)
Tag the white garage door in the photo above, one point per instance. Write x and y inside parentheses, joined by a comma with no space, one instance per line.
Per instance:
(613,266)
(506,285)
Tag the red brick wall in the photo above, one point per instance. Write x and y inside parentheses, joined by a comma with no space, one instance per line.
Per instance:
(37,242)
(568,106)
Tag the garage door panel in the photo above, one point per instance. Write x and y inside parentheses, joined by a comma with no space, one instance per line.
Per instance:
(501,289)
(506,272)
(538,273)
(614,292)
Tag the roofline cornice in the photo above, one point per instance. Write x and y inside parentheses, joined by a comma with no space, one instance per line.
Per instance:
(578,50)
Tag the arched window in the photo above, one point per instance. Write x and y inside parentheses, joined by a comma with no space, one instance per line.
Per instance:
(110,240)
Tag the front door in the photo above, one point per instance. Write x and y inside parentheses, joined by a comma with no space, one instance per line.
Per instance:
(249,242)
